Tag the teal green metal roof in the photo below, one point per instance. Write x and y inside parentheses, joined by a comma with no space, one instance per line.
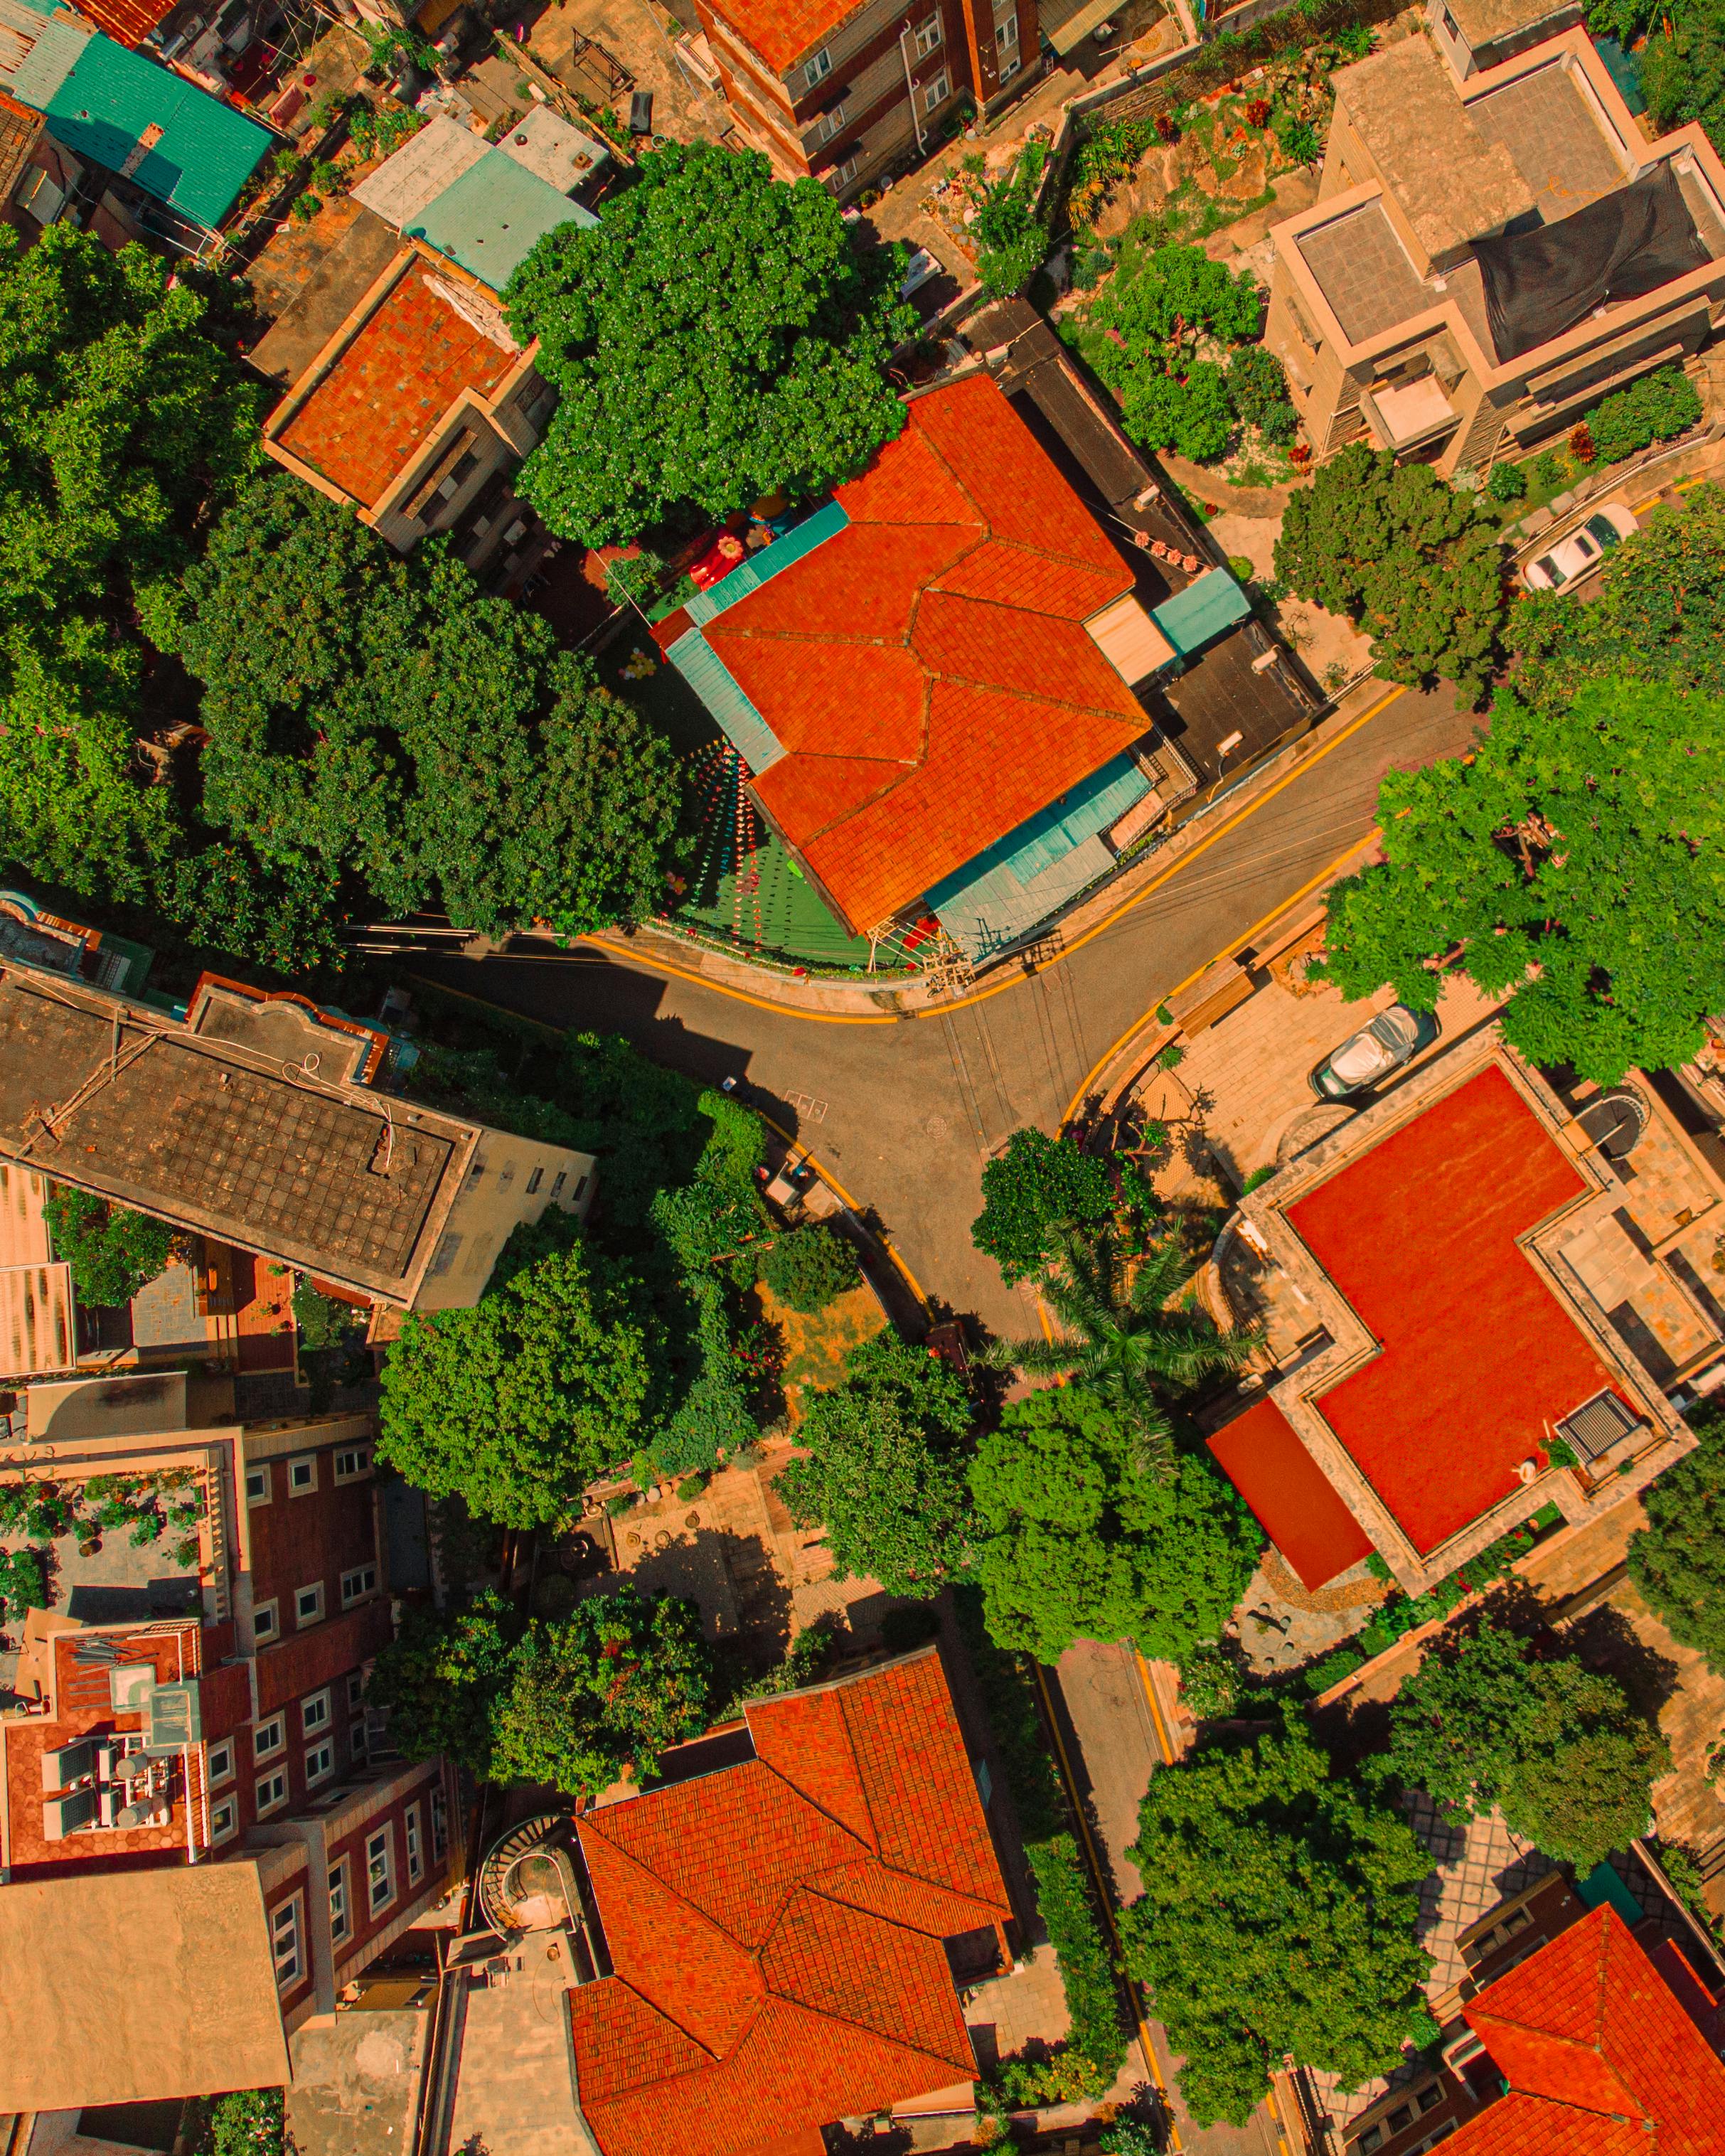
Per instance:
(1048,861)
(758,569)
(108,99)
(492,216)
(58,48)
(1197,616)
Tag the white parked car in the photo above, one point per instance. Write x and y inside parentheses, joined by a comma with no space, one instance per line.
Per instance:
(1579,552)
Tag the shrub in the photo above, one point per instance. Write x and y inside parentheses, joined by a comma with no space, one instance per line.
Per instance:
(249,2122)
(1506,483)
(324,1320)
(1259,388)
(1210,1679)
(1299,142)
(23,1581)
(691,1487)
(1332,1669)
(807,1268)
(1011,239)
(1655,409)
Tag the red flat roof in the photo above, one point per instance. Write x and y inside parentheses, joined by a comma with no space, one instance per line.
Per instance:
(391,389)
(129,22)
(1479,1357)
(775,1928)
(782,31)
(1599,2056)
(1297,1504)
(926,669)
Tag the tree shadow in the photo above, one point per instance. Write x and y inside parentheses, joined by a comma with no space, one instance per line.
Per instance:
(1607,1640)
(744,1600)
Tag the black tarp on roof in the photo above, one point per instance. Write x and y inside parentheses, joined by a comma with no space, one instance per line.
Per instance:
(1539,283)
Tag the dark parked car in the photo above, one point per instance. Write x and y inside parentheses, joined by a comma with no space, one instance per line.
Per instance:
(1395,1037)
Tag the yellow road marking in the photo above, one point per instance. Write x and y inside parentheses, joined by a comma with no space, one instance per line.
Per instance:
(658,966)
(1140,1024)
(1145,2045)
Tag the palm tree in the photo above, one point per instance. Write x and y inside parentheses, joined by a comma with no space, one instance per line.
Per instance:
(1123,1343)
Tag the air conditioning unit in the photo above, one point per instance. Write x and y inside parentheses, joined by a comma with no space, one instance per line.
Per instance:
(130,1685)
(517,532)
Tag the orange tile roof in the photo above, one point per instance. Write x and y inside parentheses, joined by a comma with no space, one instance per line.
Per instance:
(390,391)
(781,31)
(775,1928)
(128,22)
(926,669)
(1599,2057)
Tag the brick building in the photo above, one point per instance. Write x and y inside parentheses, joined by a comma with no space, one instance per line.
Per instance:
(843,91)
(202,1704)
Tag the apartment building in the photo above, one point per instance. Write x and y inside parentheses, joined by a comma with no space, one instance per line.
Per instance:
(256,1120)
(192,1700)
(843,91)
(1496,243)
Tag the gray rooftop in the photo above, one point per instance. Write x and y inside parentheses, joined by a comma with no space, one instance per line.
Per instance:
(1488,22)
(258,1151)
(1547,126)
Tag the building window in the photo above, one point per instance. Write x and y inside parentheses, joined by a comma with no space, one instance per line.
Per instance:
(302,1475)
(315,1713)
(272,1792)
(257,1486)
(219,1760)
(223,1821)
(439,1826)
(818,68)
(340,1923)
(841,176)
(267,1737)
(825,128)
(285,1940)
(925,36)
(936,92)
(380,1871)
(353,1461)
(359,1583)
(416,1854)
(1006,35)
(308,1604)
(356,1691)
(320,1764)
(534,1180)
(359,1744)
(262,1623)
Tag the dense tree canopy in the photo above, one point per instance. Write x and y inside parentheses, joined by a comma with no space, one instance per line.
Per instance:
(1677,1560)
(122,421)
(1166,320)
(807,1268)
(1037,1187)
(884,1471)
(1558,1748)
(1582,838)
(517,1404)
(112,1252)
(441,1677)
(596,1697)
(1070,1543)
(1417,564)
(716,337)
(1125,1339)
(383,734)
(1278,1915)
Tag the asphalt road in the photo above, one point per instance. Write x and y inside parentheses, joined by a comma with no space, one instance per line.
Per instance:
(904,1114)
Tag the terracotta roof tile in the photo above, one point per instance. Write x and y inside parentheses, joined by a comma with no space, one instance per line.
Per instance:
(843,2002)
(389,392)
(1599,2056)
(971,564)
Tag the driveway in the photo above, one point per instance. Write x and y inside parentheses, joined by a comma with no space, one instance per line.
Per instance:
(904,1113)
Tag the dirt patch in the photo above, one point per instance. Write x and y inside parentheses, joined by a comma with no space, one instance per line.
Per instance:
(815,1347)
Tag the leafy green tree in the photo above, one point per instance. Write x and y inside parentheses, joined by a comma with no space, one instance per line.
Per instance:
(383,734)
(1683,68)
(1417,564)
(718,337)
(1178,295)
(442,1676)
(1677,1560)
(112,1252)
(1278,1915)
(596,1698)
(1659,614)
(1038,1186)
(1011,239)
(517,1404)
(1160,318)
(122,421)
(23,1583)
(1190,413)
(883,1471)
(1558,1748)
(1582,841)
(247,2122)
(1258,388)
(807,1268)
(1122,1344)
(1070,1543)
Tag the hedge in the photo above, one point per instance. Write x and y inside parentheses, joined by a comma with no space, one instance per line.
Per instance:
(1655,409)
(1064,1891)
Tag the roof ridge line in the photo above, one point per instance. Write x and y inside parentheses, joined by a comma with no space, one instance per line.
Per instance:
(1020,606)
(916,1879)
(708,2055)
(946,465)
(676,1894)
(849,2021)
(1040,696)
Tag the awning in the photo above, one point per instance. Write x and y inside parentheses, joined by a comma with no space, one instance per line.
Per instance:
(1077,28)
(1197,615)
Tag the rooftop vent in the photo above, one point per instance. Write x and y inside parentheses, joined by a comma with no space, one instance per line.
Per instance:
(1597,1425)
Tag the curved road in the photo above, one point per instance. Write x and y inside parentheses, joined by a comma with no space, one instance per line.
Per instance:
(904,1114)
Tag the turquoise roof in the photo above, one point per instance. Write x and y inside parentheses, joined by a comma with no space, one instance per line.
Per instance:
(1049,860)
(701,665)
(102,104)
(492,216)
(1197,616)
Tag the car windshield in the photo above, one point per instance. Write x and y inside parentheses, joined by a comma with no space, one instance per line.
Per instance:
(1547,565)
(1361,1057)
(1396,1028)
(1604,530)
